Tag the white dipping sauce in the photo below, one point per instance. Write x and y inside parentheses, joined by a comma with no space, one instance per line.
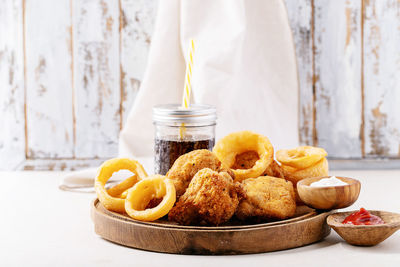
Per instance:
(331,181)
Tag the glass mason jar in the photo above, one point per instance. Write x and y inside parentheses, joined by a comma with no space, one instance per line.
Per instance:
(179,131)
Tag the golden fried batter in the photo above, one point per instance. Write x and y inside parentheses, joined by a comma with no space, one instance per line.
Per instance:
(294,175)
(267,197)
(187,165)
(274,170)
(245,160)
(321,168)
(211,198)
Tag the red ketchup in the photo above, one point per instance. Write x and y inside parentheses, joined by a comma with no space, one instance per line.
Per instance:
(362,217)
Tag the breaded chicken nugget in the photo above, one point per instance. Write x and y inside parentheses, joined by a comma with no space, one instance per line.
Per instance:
(211,198)
(187,165)
(267,197)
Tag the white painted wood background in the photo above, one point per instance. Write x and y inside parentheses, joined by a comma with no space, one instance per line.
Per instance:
(69,77)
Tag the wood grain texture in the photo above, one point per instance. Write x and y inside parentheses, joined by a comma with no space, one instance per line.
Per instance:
(163,237)
(136,27)
(48,79)
(338,91)
(12,114)
(300,17)
(58,164)
(96,77)
(382,78)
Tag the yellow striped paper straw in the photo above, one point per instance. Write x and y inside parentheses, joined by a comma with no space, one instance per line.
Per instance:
(188,77)
(188,86)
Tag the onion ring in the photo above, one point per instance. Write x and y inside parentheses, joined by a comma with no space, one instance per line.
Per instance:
(301,157)
(245,160)
(139,196)
(302,162)
(237,143)
(105,172)
(124,194)
(119,189)
(321,168)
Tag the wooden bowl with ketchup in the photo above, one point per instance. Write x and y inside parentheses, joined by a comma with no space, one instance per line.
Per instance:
(329,197)
(365,235)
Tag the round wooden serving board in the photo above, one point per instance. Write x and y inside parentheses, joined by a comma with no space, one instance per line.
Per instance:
(306,227)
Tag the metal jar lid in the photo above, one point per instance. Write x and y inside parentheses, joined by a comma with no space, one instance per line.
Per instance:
(174,113)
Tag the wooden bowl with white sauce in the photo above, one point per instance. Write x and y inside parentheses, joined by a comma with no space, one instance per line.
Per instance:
(329,197)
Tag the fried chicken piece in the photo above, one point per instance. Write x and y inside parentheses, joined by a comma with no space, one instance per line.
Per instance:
(274,170)
(187,165)
(211,198)
(267,197)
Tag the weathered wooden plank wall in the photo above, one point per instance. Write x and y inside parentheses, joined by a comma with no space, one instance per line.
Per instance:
(301,21)
(382,78)
(136,26)
(349,106)
(337,57)
(48,79)
(96,77)
(12,109)
(69,77)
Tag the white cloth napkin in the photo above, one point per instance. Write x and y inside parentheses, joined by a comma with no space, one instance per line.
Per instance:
(83,180)
(244,64)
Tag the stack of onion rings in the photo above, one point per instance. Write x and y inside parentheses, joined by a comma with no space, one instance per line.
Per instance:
(295,175)
(302,162)
(134,193)
(111,199)
(301,157)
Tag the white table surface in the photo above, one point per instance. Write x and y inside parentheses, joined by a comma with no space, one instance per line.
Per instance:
(43,226)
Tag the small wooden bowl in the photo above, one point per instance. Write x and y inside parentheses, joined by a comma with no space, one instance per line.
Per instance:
(329,197)
(365,235)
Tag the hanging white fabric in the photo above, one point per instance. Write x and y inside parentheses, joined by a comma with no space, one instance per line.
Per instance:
(244,64)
